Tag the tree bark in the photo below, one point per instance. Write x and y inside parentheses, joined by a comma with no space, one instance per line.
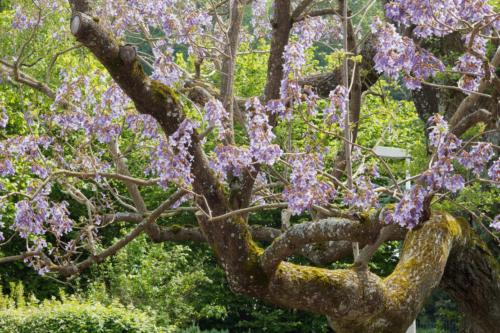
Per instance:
(472,279)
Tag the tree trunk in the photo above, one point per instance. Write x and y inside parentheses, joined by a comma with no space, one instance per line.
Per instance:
(472,279)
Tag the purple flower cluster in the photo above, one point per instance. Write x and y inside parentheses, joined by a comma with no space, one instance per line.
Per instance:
(395,53)
(261,149)
(261,134)
(439,130)
(24,18)
(439,174)
(102,118)
(363,194)
(142,124)
(24,149)
(260,21)
(454,183)
(38,216)
(215,114)
(165,70)
(180,24)
(4,118)
(409,210)
(312,29)
(306,189)
(477,157)
(338,102)
(496,223)
(295,61)
(227,157)
(279,107)
(494,172)
(171,159)
(469,63)
(440,17)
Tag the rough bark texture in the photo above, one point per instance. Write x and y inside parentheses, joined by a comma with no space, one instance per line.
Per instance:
(471,276)
(323,83)
(472,279)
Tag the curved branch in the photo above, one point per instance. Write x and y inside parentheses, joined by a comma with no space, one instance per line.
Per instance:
(330,229)
(470,120)
(471,100)
(247,210)
(117,176)
(28,254)
(418,273)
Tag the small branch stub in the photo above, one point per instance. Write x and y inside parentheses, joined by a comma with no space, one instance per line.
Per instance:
(128,53)
(75,24)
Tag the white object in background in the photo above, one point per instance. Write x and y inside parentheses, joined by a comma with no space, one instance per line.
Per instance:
(412,328)
(391,152)
(397,153)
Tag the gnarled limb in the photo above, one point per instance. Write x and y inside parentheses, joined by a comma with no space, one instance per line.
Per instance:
(423,260)
(470,120)
(330,229)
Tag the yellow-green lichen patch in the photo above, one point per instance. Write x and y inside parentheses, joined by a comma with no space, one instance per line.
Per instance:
(365,218)
(464,226)
(390,206)
(138,71)
(175,229)
(424,256)
(253,267)
(236,220)
(166,95)
(320,246)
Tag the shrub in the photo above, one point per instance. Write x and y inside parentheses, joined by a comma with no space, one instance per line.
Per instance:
(196,329)
(72,314)
(158,279)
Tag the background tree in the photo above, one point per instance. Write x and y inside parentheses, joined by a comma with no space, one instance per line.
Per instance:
(110,140)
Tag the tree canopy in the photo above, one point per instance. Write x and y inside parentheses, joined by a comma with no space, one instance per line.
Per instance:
(134,111)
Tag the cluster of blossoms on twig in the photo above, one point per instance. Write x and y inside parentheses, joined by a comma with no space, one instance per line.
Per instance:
(307,189)
(409,210)
(261,148)
(363,194)
(396,53)
(438,18)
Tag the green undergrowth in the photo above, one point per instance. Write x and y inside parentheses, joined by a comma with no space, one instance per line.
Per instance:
(19,314)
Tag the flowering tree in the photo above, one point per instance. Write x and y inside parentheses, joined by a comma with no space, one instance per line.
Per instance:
(221,154)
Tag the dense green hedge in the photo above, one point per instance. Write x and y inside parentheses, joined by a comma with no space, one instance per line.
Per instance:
(74,314)
(196,329)
(18,315)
